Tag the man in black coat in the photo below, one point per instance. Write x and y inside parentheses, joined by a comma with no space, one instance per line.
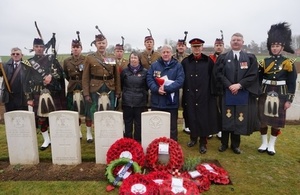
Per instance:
(199,105)
(13,95)
(237,75)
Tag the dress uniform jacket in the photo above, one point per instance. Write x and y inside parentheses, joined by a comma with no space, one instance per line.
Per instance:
(96,73)
(180,57)
(277,74)
(199,105)
(41,66)
(122,64)
(73,68)
(148,59)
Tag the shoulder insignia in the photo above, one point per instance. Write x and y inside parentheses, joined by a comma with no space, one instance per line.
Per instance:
(293,60)
(261,62)
(26,62)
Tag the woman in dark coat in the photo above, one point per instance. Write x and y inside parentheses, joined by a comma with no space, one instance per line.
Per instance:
(134,96)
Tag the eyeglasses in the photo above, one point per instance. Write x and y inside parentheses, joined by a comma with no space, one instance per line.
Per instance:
(15,54)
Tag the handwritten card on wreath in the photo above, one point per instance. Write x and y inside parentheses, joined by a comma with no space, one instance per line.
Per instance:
(163,148)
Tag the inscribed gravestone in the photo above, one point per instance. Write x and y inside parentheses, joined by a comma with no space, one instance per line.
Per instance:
(155,124)
(21,137)
(108,129)
(65,138)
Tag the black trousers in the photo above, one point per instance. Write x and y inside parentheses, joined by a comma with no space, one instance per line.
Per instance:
(234,138)
(133,121)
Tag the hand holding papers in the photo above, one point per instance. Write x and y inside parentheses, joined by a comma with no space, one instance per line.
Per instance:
(161,81)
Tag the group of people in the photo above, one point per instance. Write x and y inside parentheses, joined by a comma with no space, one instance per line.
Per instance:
(221,93)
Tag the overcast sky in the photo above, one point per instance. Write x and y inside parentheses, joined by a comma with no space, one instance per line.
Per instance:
(167,19)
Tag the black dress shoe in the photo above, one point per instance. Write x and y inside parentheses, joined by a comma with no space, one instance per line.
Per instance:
(202,149)
(90,141)
(236,150)
(271,153)
(261,150)
(222,148)
(191,143)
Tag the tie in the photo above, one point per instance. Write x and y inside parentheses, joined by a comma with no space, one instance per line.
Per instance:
(235,57)
(236,63)
(15,65)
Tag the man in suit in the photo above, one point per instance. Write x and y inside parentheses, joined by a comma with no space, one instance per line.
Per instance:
(73,68)
(237,76)
(100,79)
(13,95)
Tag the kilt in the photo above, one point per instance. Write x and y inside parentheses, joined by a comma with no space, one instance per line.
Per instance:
(91,108)
(272,121)
(80,107)
(58,101)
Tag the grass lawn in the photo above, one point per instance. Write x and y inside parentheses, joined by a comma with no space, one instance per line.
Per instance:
(250,172)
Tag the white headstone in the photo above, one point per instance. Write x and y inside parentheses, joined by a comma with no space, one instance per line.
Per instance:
(21,137)
(155,124)
(65,138)
(109,128)
(293,113)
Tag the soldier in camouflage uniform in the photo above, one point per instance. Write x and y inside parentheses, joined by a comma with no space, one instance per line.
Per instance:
(100,81)
(44,86)
(73,68)
(148,56)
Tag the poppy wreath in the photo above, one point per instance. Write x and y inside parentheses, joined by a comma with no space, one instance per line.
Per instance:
(214,173)
(202,181)
(121,161)
(138,184)
(158,176)
(190,186)
(175,156)
(126,147)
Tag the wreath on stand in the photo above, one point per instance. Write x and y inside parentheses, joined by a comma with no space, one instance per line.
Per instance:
(175,155)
